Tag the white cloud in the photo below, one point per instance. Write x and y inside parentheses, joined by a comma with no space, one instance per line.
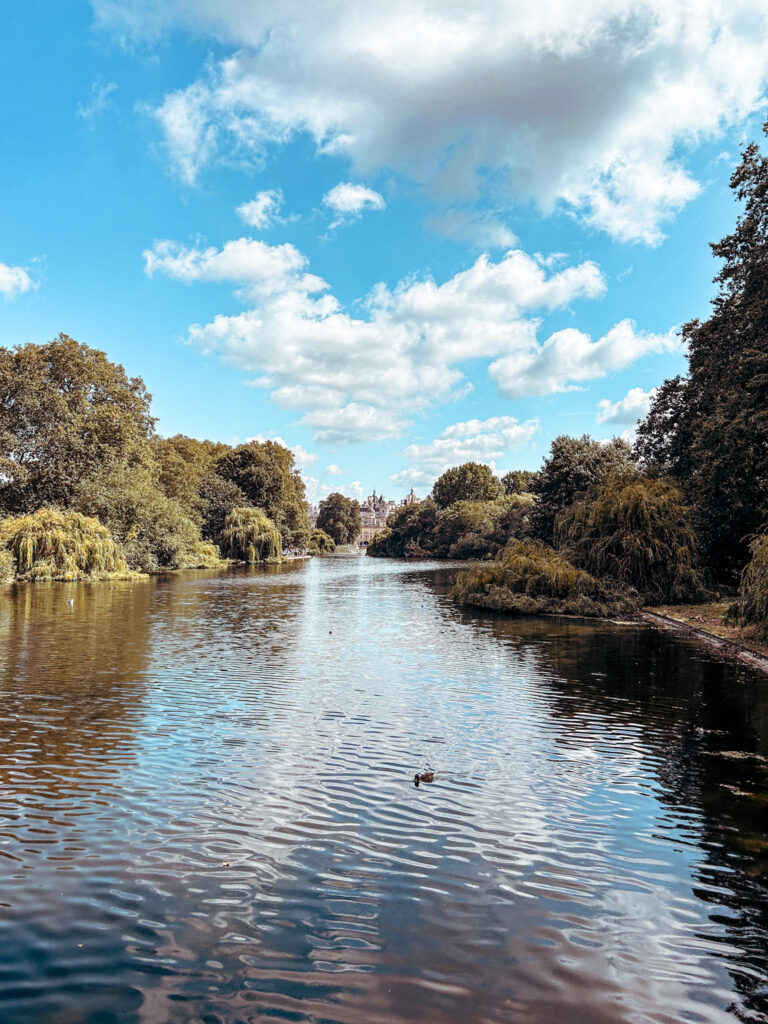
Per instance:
(628,410)
(303,458)
(569,357)
(595,104)
(333,470)
(486,441)
(346,198)
(263,210)
(99,101)
(361,378)
(14,281)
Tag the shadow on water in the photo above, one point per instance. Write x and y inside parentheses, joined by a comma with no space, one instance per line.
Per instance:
(207,810)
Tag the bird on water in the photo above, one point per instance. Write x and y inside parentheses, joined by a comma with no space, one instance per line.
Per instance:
(423,777)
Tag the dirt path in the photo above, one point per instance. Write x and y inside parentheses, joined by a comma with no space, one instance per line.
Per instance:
(704,623)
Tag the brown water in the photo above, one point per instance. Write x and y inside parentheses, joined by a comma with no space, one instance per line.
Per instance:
(207,811)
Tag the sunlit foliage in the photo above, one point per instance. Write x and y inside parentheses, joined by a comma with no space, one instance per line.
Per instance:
(638,532)
(53,545)
(249,535)
(65,412)
(154,531)
(472,481)
(266,474)
(339,516)
(320,543)
(531,578)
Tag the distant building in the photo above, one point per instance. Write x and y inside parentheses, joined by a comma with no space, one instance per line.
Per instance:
(375,511)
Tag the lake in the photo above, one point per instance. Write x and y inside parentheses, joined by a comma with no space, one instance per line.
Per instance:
(207,809)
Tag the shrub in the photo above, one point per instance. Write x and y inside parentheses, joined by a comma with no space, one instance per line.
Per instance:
(752,609)
(531,578)
(320,543)
(250,536)
(54,545)
(637,532)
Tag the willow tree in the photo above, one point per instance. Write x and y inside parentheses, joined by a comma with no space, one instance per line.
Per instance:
(65,412)
(752,607)
(637,532)
(54,545)
(249,535)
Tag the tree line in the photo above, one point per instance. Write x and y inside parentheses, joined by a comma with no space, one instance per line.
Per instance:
(88,488)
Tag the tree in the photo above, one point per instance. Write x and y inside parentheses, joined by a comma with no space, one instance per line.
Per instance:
(519,481)
(184,463)
(339,517)
(471,481)
(574,465)
(250,536)
(410,532)
(710,429)
(637,532)
(66,411)
(266,475)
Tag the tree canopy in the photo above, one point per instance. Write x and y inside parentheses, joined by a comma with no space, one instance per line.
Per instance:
(472,481)
(339,517)
(574,465)
(66,412)
(710,429)
(266,475)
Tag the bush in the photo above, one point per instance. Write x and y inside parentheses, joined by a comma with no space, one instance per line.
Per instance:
(320,543)
(752,609)
(637,532)
(54,545)
(530,578)
(249,535)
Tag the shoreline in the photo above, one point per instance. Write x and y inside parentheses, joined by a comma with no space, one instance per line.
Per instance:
(732,649)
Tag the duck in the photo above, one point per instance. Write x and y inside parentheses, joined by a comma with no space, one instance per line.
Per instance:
(423,777)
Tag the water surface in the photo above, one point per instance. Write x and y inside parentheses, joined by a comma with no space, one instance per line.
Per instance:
(207,811)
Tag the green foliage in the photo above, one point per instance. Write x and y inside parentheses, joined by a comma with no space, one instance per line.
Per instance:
(519,481)
(575,464)
(752,608)
(340,518)
(471,481)
(184,466)
(465,529)
(217,497)
(65,412)
(409,534)
(320,543)
(530,578)
(635,531)
(249,535)
(710,429)
(53,545)
(266,475)
(154,531)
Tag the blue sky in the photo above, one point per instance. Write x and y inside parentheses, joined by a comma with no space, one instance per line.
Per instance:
(396,237)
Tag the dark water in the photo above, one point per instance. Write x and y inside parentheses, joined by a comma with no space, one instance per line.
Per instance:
(207,814)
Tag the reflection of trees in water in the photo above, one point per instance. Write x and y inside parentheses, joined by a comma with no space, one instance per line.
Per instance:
(703,726)
(71,677)
(225,622)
